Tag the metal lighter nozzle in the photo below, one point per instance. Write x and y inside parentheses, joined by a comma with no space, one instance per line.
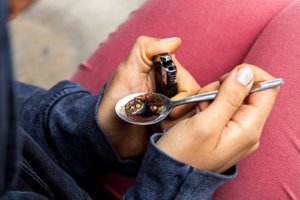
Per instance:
(165,73)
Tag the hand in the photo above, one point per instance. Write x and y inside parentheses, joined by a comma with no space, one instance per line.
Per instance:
(228,129)
(136,74)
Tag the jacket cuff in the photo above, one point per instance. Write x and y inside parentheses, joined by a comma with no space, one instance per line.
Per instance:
(163,177)
(66,116)
(127,167)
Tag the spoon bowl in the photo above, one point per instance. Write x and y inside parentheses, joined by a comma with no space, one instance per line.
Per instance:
(120,109)
(151,108)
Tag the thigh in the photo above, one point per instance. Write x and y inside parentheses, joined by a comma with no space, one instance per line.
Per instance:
(216,36)
(273,172)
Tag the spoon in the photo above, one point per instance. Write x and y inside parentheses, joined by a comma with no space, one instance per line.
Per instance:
(151,108)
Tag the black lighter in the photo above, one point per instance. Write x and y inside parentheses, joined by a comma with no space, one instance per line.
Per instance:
(165,74)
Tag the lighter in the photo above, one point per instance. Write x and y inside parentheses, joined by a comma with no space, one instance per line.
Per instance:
(165,74)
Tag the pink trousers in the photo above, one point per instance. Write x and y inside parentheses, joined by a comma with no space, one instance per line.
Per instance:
(218,35)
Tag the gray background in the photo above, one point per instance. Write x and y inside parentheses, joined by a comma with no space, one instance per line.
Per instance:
(50,38)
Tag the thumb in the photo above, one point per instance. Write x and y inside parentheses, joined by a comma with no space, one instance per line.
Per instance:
(231,95)
(146,47)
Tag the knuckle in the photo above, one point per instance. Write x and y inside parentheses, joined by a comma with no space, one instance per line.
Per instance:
(236,128)
(253,148)
(141,40)
(194,89)
(252,138)
(204,129)
(256,146)
(249,137)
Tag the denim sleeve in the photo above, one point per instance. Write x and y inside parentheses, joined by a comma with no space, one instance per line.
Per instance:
(162,177)
(16,195)
(63,121)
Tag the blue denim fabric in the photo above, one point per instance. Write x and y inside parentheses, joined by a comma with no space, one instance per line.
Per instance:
(163,177)
(62,123)
(9,139)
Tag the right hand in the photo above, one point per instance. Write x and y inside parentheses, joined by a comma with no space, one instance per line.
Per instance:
(228,129)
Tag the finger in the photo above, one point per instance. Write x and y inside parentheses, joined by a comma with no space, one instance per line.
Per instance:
(237,138)
(234,159)
(187,86)
(230,97)
(262,101)
(168,123)
(222,79)
(258,105)
(210,87)
(146,47)
(245,127)
(240,134)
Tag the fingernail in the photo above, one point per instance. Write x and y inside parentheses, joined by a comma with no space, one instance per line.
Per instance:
(171,39)
(244,75)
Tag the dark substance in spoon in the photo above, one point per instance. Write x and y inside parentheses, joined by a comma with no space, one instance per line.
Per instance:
(145,107)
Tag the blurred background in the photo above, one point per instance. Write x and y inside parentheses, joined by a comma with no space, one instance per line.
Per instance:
(50,38)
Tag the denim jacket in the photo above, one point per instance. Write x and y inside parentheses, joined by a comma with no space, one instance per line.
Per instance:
(64,150)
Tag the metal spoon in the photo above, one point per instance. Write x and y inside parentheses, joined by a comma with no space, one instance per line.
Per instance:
(151,108)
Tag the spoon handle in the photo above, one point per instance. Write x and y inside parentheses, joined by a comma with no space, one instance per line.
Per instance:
(212,95)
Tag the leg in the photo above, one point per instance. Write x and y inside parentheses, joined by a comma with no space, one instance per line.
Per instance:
(216,35)
(273,171)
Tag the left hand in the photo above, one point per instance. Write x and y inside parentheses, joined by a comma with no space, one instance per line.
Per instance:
(136,74)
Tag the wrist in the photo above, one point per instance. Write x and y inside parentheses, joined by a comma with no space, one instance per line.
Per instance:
(128,140)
